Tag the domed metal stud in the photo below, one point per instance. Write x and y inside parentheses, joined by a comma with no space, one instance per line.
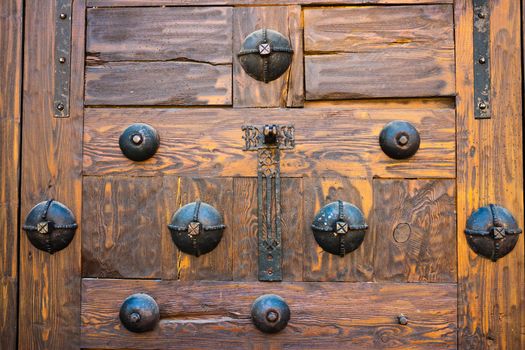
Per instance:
(265,55)
(196,228)
(339,228)
(139,313)
(139,142)
(492,232)
(399,139)
(50,226)
(270,313)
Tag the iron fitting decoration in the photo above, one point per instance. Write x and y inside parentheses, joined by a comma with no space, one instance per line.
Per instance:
(196,228)
(339,228)
(399,139)
(139,142)
(481,59)
(50,226)
(270,313)
(139,313)
(268,141)
(492,232)
(265,55)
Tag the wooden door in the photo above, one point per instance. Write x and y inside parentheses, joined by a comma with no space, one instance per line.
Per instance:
(173,65)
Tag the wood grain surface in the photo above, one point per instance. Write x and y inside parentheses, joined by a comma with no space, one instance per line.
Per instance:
(490,170)
(122,224)
(11,35)
(49,285)
(329,142)
(120,3)
(206,314)
(379,51)
(286,91)
(159,56)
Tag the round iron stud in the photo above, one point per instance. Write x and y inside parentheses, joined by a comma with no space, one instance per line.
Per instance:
(139,313)
(339,228)
(399,140)
(265,55)
(196,228)
(139,142)
(270,313)
(492,232)
(50,226)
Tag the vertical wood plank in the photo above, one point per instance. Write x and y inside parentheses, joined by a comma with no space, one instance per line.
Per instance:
(122,223)
(286,91)
(217,264)
(490,170)
(51,168)
(11,31)
(415,229)
(320,265)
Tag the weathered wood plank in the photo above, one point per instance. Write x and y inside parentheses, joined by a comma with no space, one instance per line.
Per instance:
(202,34)
(288,90)
(383,51)
(320,265)
(120,3)
(490,170)
(217,264)
(11,34)
(158,83)
(244,226)
(330,142)
(201,314)
(49,285)
(122,224)
(415,229)
(159,56)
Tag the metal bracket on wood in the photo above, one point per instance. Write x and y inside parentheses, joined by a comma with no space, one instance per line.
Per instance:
(268,141)
(62,58)
(481,59)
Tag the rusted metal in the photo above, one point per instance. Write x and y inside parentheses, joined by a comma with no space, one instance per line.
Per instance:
(268,141)
(50,226)
(265,55)
(339,228)
(492,232)
(481,59)
(62,78)
(196,228)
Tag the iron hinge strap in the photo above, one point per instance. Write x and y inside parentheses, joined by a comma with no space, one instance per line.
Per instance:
(481,59)
(62,57)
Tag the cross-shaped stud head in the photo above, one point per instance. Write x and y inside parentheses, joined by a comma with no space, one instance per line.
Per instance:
(265,49)
(194,229)
(43,227)
(498,232)
(341,228)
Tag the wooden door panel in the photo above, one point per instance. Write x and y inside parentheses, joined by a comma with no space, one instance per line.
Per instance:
(329,142)
(199,314)
(383,51)
(155,56)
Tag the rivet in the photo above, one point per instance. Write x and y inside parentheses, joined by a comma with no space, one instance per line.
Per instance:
(481,15)
(402,319)
(60,106)
(63,16)
(134,317)
(137,139)
(272,316)
(482,105)
(403,140)
(482,60)
(62,60)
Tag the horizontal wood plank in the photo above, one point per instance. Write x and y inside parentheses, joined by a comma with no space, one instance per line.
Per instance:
(158,83)
(329,142)
(120,3)
(203,314)
(159,56)
(379,51)
(156,33)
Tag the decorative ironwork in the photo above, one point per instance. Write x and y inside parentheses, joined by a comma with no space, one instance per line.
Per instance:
(492,232)
(268,141)
(399,139)
(139,142)
(270,313)
(62,58)
(481,59)
(139,313)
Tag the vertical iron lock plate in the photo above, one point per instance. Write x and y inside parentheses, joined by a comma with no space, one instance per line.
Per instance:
(268,141)
(62,58)
(481,59)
